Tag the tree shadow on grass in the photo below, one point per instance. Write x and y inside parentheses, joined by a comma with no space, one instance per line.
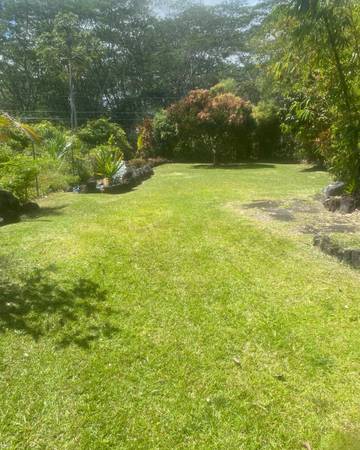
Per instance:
(47,211)
(239,166)
(41,305)
(315,168)
(35,214)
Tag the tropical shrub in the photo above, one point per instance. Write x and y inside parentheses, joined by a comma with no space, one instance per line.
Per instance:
(203,126)
(267,135)
(146,142)
(34,160)
(342,159)
(227,86)
(55,175)
(15,133)
(313,68)
(98,132)
(107,159)
(157,137)
(54,140)
(18,174)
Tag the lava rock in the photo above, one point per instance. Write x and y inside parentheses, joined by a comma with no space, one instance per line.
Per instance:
(355,258)
(10,208)
(30,208)
(347,204)
(349,256)
(91,186)
(326,245)
(332,203)
(334,189)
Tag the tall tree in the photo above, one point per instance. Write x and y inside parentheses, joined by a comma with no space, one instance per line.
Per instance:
(67,53)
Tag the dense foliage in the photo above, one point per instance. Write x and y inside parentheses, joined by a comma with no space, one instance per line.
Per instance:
(222,83)
(45,158)
(72,60)
(203,125)
(311,56)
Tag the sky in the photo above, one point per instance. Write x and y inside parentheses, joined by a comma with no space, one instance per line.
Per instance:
(214,2)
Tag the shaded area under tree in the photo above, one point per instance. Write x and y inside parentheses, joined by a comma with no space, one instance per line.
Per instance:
(41,305)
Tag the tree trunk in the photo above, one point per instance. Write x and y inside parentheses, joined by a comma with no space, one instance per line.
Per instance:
(214,157)
(73,112)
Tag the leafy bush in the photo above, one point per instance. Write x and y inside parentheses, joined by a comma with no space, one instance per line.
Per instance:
(340,156)
(227,86)
(6,153)
(146,143)
(157,137)
(55,140)
(98,132)
(55,175)
(202,126)
(18,175)
(267,138)
(18,171)
(15,134)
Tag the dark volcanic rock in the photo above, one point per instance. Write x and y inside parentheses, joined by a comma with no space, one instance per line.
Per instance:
(30,208)
(347,204)
(349,256)
(355,258)
(91,186)
(10,208)
(334,189)
(326,245)
(332,203)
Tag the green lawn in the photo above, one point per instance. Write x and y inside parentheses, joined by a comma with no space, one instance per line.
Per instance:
(162,319)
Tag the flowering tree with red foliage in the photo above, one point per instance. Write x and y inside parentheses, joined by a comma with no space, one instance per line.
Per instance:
(205,123)
(227,124)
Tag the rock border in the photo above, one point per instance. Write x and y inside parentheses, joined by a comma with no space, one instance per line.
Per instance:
(350,256)
(129,175)
(335,199)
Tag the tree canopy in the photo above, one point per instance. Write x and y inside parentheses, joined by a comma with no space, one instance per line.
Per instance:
(293,65)
(74,60)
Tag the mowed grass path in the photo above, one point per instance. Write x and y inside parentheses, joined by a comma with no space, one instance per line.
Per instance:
(161,319)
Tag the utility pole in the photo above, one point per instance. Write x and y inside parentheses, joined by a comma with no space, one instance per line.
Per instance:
(72,102)
(73,112)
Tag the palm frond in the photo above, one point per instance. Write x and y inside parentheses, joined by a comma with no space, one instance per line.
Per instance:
(7,122)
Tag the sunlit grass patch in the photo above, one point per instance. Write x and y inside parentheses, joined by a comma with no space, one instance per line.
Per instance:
(162,319)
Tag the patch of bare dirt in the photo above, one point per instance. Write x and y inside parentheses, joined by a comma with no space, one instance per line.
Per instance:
(307,216)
